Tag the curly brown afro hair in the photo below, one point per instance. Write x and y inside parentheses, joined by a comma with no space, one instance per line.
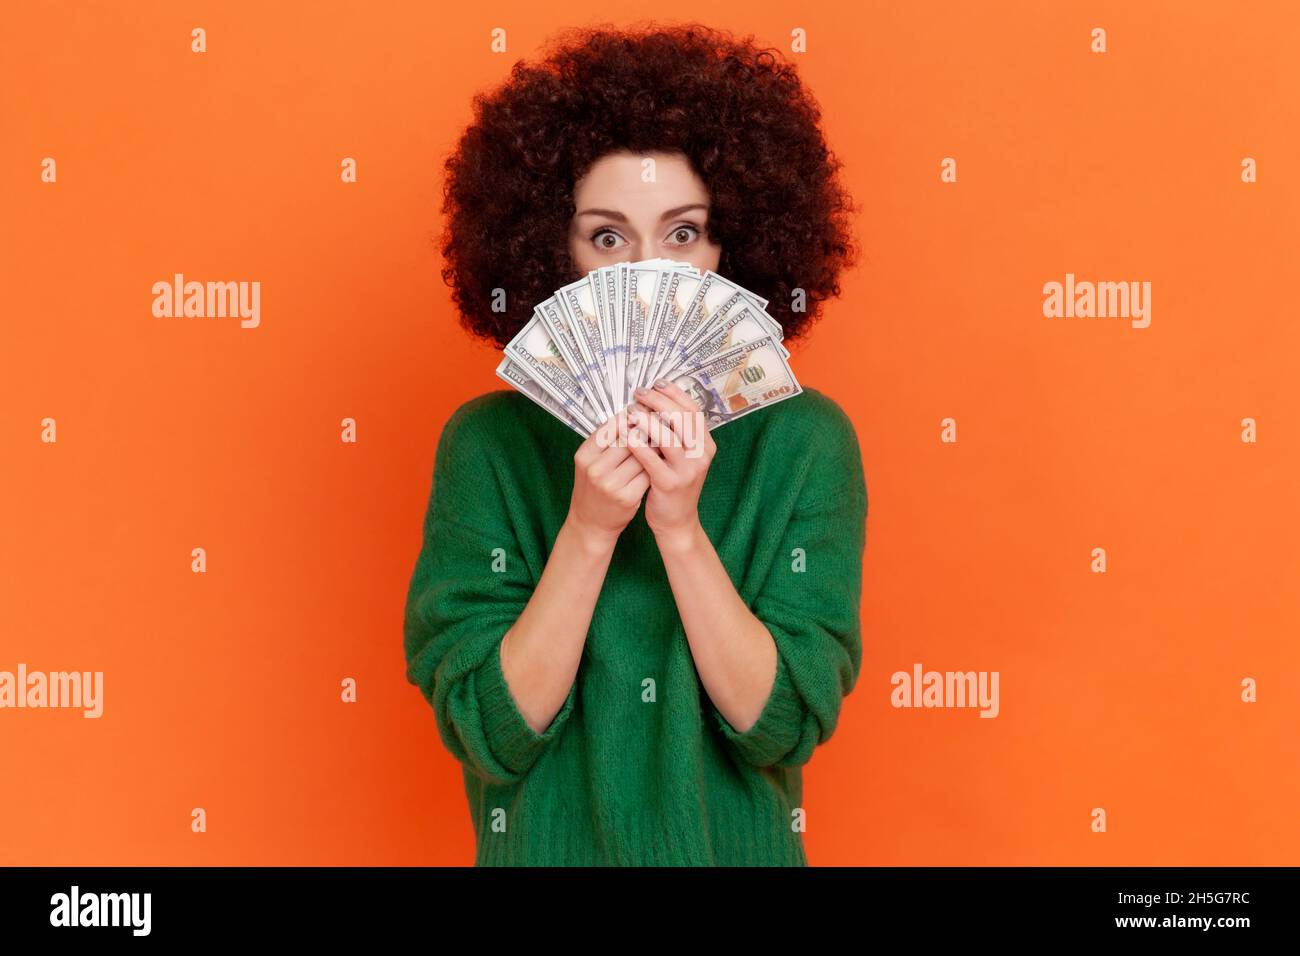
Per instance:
(739,113)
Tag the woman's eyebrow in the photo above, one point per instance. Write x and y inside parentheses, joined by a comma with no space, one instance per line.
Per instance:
(619,217)
(672,213)
(607,213)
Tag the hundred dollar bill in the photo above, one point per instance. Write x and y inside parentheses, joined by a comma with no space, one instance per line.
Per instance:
(540,359)
(739,381)
(597,285)
(672,300)
(738,327)
(641,282)
(513,374)
(654,285)
(606,283)
(579,305)
(692,312)
(715,315)
(616,315)
(562,335)
(710,300)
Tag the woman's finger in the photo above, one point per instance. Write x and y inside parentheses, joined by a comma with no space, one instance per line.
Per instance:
(640,484)
(610,459)
(661,402)
(662,433)
(658,469)
(629,469)
(686,423)
(694,433)
(677,393)
(615,453)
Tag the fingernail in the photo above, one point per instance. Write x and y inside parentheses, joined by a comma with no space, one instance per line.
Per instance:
(660,383)
(642,391)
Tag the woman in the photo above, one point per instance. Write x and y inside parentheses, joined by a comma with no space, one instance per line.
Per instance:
(627,685)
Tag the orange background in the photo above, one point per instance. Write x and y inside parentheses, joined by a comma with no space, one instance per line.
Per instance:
(1118,690)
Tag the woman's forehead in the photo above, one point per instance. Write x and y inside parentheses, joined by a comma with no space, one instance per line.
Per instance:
(644,179)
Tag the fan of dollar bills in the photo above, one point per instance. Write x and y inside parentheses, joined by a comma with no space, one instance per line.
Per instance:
(592,343)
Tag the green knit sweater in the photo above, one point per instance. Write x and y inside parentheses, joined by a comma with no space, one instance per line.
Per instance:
(638,767)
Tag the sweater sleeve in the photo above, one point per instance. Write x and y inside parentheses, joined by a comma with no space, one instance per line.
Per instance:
(464,595)
(810,604)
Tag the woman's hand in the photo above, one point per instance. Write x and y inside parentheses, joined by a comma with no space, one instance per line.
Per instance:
(671,440)
(608,483)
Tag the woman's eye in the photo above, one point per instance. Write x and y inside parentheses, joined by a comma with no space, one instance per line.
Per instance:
(607,239)
(684,234)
